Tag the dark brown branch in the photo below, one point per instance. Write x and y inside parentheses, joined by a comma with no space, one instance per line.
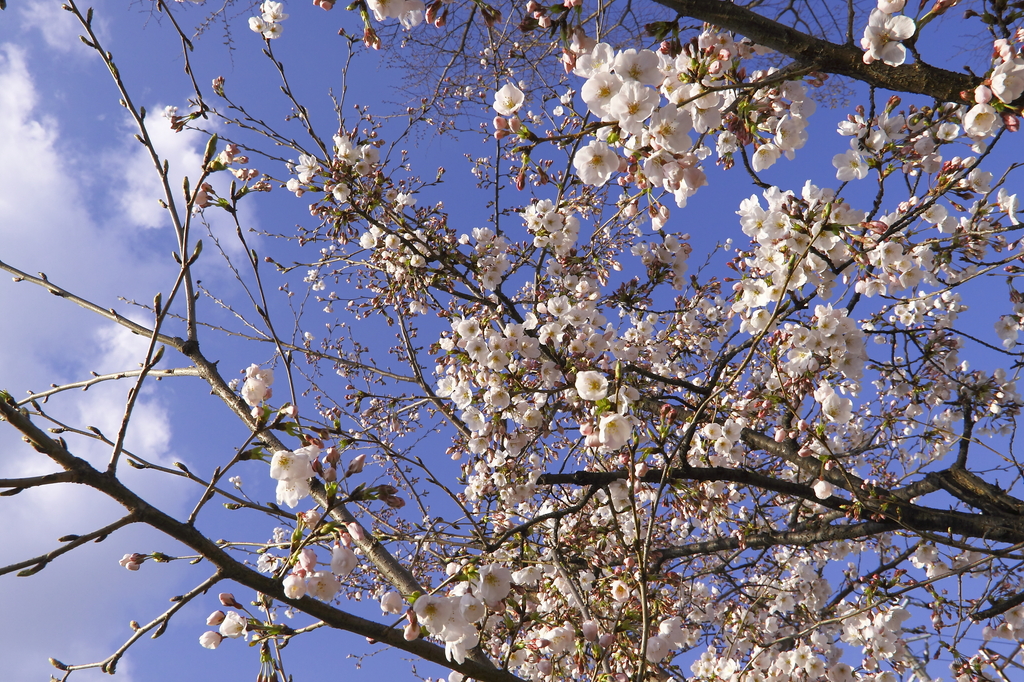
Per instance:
(977,492)
(545,517)
(998,607)
(811,536)
(16,485)
(841,60)
(750,478)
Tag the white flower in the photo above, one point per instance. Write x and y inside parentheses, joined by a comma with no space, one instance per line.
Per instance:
(639,66)
(598,92)
(850,166)
(1008,80)
(765,157)
(632,104)
(432,610)
(344,561)
(598,60)
(527,576)
(257,24)
(1007,330)
(387,9)
(823,490)
(1009,203)
(595,163)
(291,491)
(210,639)
(493,584)
(472,608)
(837,409)
(233,625)
(614,431)
(981,121)
(891,6)
(272,31)
(882,37)
(508,99)
(257,385)
(307,168)
(290,466)
(669,127)
(273,11)
(657,648)
(591,385)
(392,602)
(322,585)
(474,420)
(620,591)
(294,587)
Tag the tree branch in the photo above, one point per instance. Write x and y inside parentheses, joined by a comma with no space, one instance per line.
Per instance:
(841,60)
(231,569)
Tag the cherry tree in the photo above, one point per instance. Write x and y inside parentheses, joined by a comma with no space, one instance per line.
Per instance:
(782,453)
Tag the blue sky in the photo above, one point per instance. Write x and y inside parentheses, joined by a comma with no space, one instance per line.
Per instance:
(78,200)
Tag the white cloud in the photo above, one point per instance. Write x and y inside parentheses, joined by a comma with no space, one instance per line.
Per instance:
(58,27)
(45,224)
(143,189)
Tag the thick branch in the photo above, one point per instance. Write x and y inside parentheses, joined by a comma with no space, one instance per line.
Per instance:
(842,60)
(806,537)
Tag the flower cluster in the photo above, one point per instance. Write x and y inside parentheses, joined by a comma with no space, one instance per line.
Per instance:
(268,24)
(885,32)
(257,385)
(292,471)
(453,618)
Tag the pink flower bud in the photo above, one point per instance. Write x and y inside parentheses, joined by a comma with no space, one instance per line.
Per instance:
(215,618)
(132,561)
(210,640)
(780,435)
(500,123)
(587,428)
(642,469)
(982,94)
(606,639)
(357,532)
(500,134)
(568,61)
(356,465)
(228,599)
(307,560)
(590,630)
(411,632)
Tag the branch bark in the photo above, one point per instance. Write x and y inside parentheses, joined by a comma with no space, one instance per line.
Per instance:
(827,57)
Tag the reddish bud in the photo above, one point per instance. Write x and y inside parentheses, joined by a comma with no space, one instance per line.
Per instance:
(228,599)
